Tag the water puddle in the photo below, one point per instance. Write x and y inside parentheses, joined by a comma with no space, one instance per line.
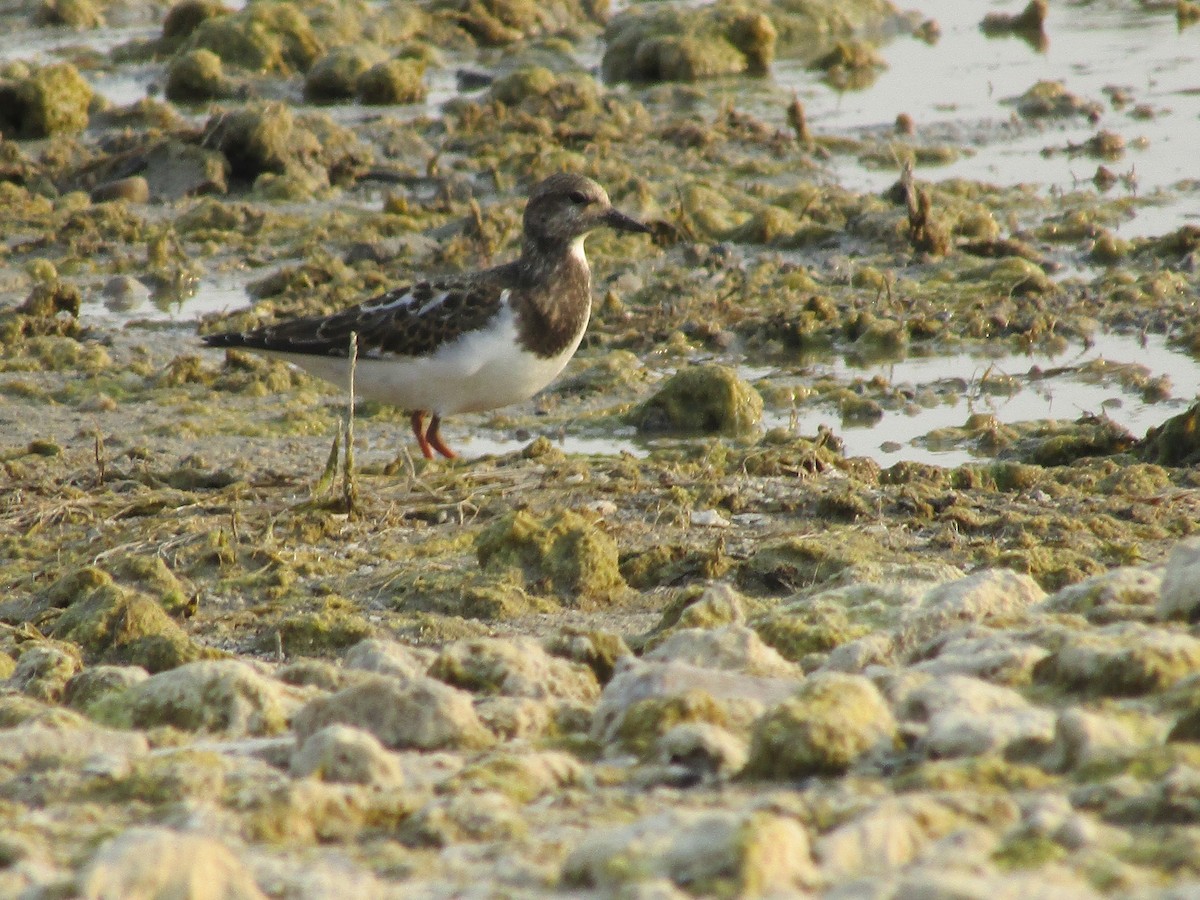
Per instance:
(955,90)
(1013,388)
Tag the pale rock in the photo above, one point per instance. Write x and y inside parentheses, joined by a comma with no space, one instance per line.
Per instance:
(156,863)
(516,718)
(989,594)
(731,647)
(387,657)
(1123,659)
(858,655)
(744,697)
(719,604)
(1126,592)
(993,657)
(704,748)
(419,713)
(514,667)
(340,753)
(224,696)
(42,671)
(746,854)
(1180,597)
(898,830)
(969,717)
(66,746)
(1083,738)
(97,681)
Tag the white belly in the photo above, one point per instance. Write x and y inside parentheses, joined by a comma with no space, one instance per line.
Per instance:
(482,370)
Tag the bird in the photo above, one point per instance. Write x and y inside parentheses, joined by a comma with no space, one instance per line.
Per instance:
(464,342)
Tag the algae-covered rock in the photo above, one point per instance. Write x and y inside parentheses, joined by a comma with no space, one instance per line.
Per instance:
(687,43)
(1051,99)
(97,682)
(564,554)
(598,650)
(673,692)
(498,22)
(71,13)
(43,671)
(115,625)
(705,749)
(522,776)
(335,75)
(516,667)
(419,713)
(183,17)
(720,853)
(222,696)
(387,657)
(1124,659)
(197,77)
(829,724)
(1176,442)
(262,37)
(263,139)
(456,818)
(734,647)
(710,399)
(339,753)
(393,81)
(141,863)
(48,101)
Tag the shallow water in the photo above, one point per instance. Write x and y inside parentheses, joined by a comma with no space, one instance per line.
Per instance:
(955,91)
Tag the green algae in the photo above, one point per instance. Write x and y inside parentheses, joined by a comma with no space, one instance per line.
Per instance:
(646,721)
(49,101)
(563,554)
(705,399)
(822,730)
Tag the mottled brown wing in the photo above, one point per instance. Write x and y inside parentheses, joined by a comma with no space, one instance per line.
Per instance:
(409,321)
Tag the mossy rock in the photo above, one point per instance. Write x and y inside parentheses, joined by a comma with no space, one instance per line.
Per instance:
(50,100)
(393,81)
(327,631)
(69,13)
(334,77)
(495,23)
(263,37)
(197,77)
(184,17)
(646,721)
(796,633)
(114,625)
(795,563)
(262,139)
(1176,442)
(831,722)
(687,44)
(563,554)
(707,399)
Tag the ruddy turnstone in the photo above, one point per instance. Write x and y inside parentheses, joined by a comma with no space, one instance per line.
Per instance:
(463,343)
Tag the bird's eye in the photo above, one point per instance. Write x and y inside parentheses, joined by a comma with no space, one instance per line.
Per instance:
(580,198)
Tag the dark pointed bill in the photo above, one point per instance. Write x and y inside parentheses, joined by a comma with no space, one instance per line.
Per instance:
(614,218)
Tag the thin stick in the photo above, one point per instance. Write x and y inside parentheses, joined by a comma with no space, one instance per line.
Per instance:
(349,487)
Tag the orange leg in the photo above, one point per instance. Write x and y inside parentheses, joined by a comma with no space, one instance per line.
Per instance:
(418,429)
(434,437)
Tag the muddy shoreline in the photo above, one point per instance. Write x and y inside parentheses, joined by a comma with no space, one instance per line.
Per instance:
(657,633)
